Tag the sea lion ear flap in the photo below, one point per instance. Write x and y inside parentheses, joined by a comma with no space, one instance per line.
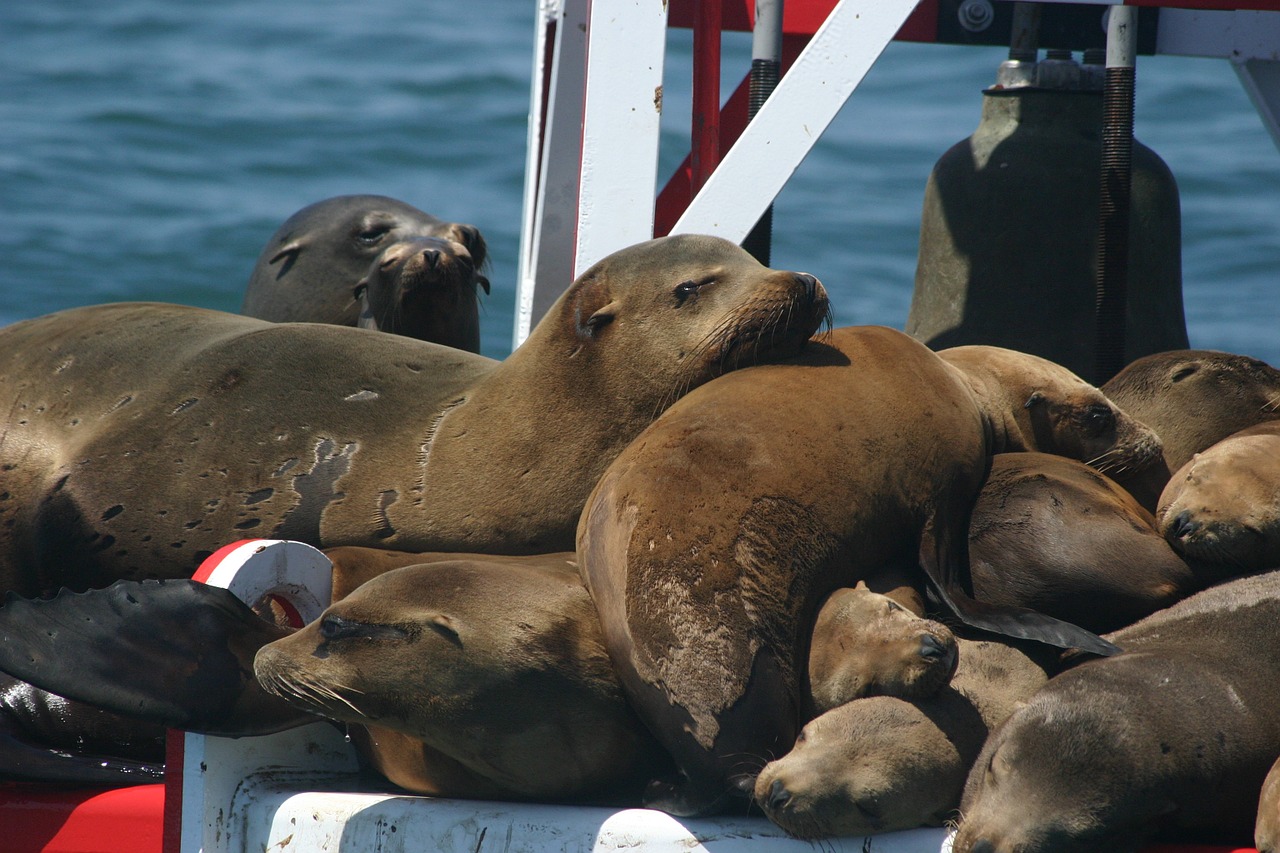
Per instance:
(1036,397)
(593,306)
(288,253)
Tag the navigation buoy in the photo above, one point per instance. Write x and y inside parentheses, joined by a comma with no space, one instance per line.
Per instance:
(1009,228)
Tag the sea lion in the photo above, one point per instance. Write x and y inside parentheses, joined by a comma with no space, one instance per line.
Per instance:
(1177,732)
(1057,536)
(1222,508)
(425,288)
(865,644)
(210,423)
(709,542)
(309,268)
(1192,399)
(887,763)
(1266,832)
(1043,406)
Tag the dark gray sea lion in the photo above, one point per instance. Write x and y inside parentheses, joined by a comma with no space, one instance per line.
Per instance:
(1176,733)
(888,763)
(424,288)
(309,269)
(209,425)
(1192,399)
(1222,508)
(1060,537)
(711,540)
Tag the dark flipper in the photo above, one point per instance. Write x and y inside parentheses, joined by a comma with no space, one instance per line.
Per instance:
(46,738)
(944,556)
(177,653)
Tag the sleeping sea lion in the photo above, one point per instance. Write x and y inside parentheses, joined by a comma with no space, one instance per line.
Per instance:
(208,424)
(710,541)
(1192,399)
(1177,733)
(1221,510)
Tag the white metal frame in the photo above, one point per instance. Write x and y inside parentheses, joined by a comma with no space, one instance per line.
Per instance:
(589,196)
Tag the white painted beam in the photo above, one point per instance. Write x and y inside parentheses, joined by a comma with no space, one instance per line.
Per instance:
(808,97)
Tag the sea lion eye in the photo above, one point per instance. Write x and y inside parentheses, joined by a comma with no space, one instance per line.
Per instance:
(685,289)
(1098,417)
(371,235)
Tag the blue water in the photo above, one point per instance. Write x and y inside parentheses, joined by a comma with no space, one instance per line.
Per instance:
(148,149)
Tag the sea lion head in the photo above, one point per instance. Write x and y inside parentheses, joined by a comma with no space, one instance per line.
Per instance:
(1195,398)
(867,644)
(675,312)
(871,765)
(1038,405)
(1223,506)
(309,267)
(1053,778)
(425,288)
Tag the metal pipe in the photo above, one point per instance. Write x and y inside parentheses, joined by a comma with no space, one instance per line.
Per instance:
(766,69)
(1112,268)
(705,149)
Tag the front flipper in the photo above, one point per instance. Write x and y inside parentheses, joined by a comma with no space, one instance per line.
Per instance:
(178,653)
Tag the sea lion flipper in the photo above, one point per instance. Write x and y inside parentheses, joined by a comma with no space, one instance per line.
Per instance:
(178,653)
(942,582)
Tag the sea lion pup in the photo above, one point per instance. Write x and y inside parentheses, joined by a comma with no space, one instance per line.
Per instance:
(1222,508)
(424,288)
(866,644)
(1175,733)
(211,422)
(310,267)
(1266,832)
(1192,399)
(886,763)
(710,541)
(1059,537)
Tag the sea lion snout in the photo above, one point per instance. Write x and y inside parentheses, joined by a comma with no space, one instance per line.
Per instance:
(1183,525)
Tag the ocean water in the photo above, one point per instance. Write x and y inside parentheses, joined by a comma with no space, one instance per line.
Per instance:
(148,150)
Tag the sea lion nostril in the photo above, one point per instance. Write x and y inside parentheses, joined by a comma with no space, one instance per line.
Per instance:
(779,796)
(982,845)
(1183,525)
(931,648)
(432,257)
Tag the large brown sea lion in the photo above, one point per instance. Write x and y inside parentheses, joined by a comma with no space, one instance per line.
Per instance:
(710,541)
(1060,537)
(140,437)
(1192,399)
(311,266)
(1222,508)
(887,763)
(1177,733)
